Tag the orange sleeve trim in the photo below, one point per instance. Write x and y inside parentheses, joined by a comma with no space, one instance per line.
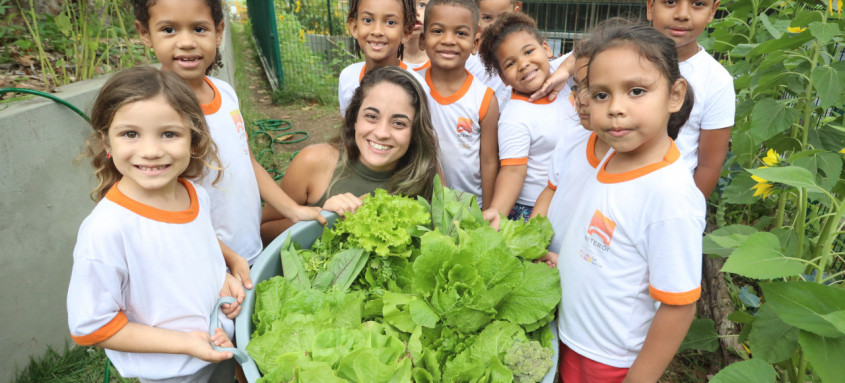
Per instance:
(677,299)
(552,186)
(103,333)
(514,161)
(671,156)
(214,105)
(485,103)
(454,96)
(115,195)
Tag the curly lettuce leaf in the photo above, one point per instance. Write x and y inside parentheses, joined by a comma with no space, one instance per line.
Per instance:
(382,224)
(528,240)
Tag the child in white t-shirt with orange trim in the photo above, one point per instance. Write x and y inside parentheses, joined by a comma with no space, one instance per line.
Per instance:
(381,28)
(630,259)
(185,36)
(528,131)
(147,266)
(464,110)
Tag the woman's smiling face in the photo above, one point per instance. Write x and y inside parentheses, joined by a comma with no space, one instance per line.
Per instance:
(383,127)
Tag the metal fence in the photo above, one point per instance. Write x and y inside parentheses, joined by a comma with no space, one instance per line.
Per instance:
(564,22)
(305,43)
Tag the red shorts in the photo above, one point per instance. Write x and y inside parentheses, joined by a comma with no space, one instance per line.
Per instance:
(576,368)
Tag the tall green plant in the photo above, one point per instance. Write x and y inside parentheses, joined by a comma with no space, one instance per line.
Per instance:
(787,164)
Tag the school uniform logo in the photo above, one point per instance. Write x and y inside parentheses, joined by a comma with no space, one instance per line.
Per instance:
(598,238)
(601,227)
(239,121)
(464,125)
(240,128)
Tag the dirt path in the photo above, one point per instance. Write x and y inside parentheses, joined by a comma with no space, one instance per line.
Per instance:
(319,121)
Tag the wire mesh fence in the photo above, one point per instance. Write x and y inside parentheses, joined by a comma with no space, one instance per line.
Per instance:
(312,45)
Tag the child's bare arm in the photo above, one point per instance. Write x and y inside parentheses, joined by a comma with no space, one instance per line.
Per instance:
(712,150)
(238,266)
(508,186)
(667,331)
(134,337)
(489,152)
(557,81)
(276,197)
(541,206)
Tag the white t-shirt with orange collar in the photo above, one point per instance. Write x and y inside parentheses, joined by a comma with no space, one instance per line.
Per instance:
(715,102)
(573,162)
(135,263)
(529,132)
(456,121)
(634,242)
(235,200)
(350,79)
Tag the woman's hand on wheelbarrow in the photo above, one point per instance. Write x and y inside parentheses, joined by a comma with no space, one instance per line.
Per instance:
(232,287)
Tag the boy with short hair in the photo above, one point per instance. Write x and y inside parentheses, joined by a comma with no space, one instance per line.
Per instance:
(703,140)
(464,111)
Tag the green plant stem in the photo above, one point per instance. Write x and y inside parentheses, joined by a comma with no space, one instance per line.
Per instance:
(802,368)
(31,25)
(799,221)
(781,209)
(809,97)
(823,246)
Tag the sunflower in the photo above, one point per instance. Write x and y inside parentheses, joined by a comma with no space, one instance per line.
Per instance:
(763,187)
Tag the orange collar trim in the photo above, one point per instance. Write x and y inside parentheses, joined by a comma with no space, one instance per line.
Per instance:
(156,214)
(591,150)
(454,96)
(542,101)
(214,105)
(671,156)
(425,65)
(364,69)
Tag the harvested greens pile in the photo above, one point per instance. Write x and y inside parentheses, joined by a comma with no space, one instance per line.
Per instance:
(405,291)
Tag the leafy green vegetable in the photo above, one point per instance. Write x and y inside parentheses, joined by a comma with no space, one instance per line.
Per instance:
(381,224)
(404,291)
(529,361)
(527,239)
(341,270)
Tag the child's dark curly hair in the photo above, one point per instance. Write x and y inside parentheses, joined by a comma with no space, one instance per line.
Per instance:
(495,34)
(142,14)
(409,18)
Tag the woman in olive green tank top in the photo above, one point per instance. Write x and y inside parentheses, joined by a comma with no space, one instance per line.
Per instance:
(387,141)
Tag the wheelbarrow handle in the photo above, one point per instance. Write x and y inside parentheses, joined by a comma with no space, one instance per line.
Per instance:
(241,356)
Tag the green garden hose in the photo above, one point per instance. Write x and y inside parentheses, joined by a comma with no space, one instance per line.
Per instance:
(270,129)
(46,95)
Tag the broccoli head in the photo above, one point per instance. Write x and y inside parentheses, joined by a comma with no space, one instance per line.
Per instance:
(529,361)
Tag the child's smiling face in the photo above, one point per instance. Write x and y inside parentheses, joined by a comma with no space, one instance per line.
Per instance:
(379,30)
(523,62)
(449,36)
(183,36)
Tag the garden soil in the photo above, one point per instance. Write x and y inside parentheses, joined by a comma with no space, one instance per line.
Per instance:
(321,122)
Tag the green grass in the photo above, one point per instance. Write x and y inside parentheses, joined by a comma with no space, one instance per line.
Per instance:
(75,364)
(241,41)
